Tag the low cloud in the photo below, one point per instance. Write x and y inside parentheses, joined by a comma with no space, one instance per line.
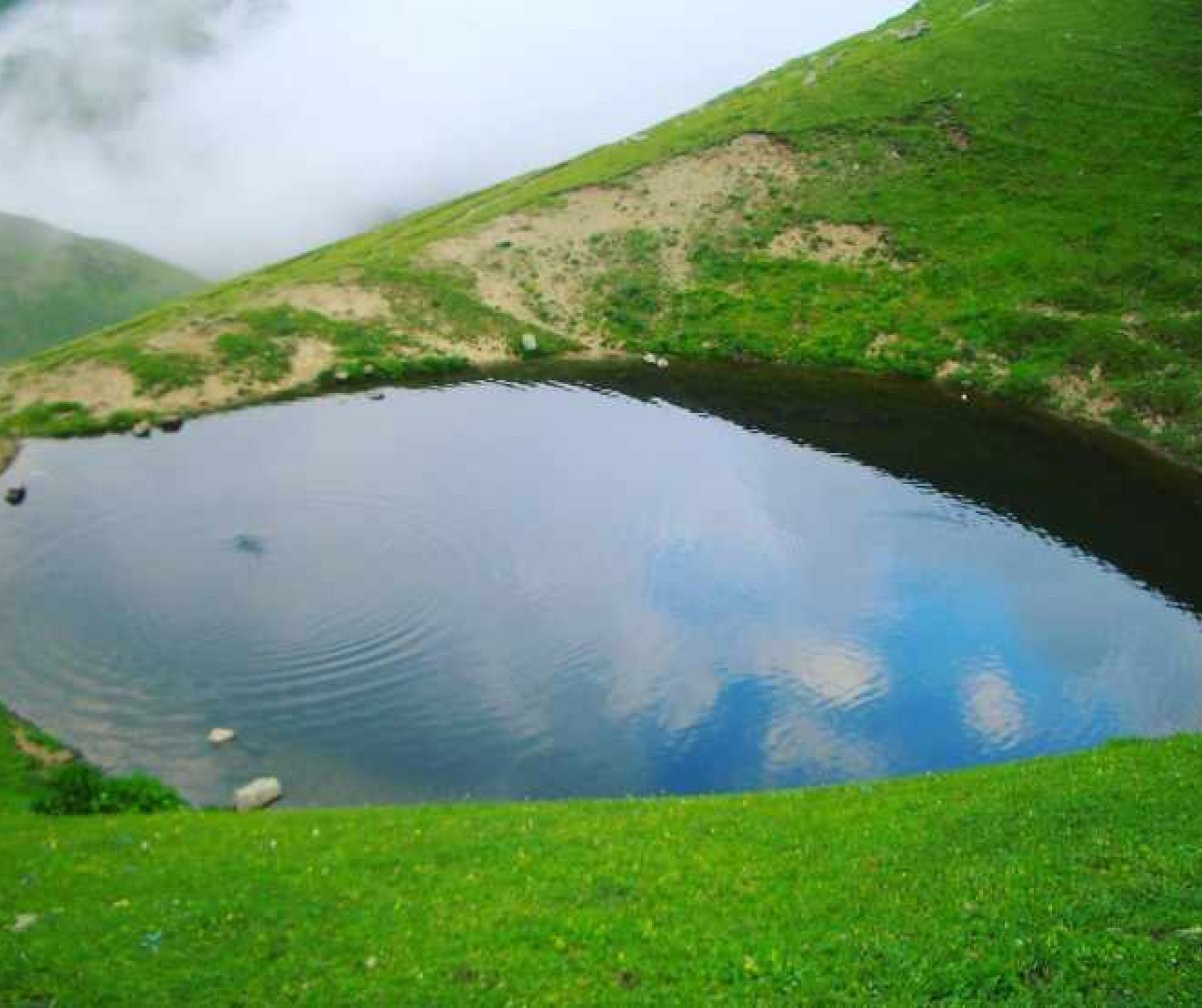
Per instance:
(222,134)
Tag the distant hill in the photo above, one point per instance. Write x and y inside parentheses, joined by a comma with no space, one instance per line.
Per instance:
(55,285)
(1002,195)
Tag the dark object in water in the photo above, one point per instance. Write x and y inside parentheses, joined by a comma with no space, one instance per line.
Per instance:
(15,495)
(141,429)
(171,425)
(376,396)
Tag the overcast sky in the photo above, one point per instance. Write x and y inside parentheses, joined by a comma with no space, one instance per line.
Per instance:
(223,134)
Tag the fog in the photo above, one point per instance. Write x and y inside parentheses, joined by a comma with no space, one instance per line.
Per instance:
(224,134)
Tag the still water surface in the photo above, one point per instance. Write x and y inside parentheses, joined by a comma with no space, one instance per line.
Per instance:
(640,584)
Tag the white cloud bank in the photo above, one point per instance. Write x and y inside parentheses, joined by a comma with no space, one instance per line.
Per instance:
(222,134)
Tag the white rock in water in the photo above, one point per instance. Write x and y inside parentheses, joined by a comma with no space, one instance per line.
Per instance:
(220,736)
(529,343)
(661,363)
(257,794)
(650,358)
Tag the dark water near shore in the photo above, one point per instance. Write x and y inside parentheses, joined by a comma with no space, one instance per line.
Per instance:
(651,582)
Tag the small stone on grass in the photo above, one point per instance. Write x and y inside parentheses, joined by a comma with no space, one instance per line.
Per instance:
(24,922)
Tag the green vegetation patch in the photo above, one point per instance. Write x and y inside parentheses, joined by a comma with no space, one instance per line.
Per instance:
(157,372)
(264,350)
(78,788)
(52,419)
(262,360)
(1074,880)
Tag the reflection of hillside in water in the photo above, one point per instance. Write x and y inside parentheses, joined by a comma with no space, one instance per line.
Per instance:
(508,590)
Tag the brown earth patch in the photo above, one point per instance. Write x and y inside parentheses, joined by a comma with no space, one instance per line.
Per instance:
(948,370)
(104,389)
(195,338)
(8,453)
(831,243)
(1085,396)
(44,756)
(882,345)
(346,302)
(477,351)
(539,266)
(312,357)
(958,137)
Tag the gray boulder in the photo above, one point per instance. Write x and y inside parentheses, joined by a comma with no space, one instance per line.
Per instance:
(258,794)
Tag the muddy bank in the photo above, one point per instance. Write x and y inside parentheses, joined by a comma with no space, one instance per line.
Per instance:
(8,453)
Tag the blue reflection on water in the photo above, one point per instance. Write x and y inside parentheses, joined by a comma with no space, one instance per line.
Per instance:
(510,591)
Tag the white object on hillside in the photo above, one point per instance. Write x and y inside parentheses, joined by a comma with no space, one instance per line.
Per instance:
(258,794)
(911,32)
(24,922)
(529,343)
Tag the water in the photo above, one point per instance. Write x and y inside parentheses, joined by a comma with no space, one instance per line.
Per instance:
(703,582)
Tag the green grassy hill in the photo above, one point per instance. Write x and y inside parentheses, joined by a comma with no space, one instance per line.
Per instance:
(1009,200)
(55,285)
(1067,881)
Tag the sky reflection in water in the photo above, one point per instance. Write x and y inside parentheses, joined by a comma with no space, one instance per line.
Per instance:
(502,591)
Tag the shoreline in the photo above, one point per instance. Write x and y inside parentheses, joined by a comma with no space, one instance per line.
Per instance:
(522,369)
(10,448)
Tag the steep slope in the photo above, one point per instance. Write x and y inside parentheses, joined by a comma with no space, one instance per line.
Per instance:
(1002,194)
(55,285)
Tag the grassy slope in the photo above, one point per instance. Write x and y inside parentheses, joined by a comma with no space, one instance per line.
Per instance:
(1057,260)
(1075,880)
(55,286)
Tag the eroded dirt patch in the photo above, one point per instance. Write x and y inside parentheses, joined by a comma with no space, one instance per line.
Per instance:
(1085,396)
(348,302)
(826,242)
(44,756)
(540,266)
(104,389)
(8,453)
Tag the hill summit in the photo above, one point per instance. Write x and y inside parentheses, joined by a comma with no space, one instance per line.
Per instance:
(1002,195)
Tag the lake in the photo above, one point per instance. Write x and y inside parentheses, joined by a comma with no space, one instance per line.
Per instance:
(608,581)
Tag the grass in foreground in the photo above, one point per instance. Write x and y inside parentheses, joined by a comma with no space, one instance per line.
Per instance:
(1075,880)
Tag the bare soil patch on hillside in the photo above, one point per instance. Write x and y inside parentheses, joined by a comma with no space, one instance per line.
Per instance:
(348,302)
(105,388)
(539,266)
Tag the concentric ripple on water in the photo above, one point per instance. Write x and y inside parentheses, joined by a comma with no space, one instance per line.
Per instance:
(501,590)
